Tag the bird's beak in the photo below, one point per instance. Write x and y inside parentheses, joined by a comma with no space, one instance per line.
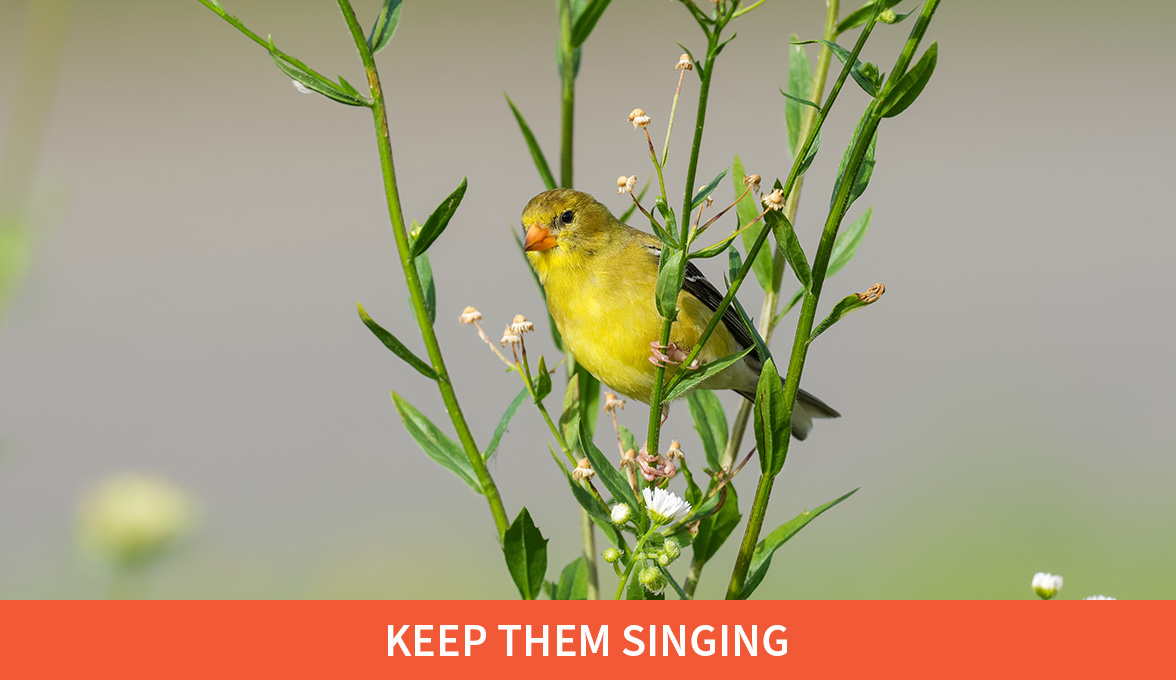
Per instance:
(538,239)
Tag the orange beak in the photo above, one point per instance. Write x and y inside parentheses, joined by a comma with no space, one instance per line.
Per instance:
(538,239)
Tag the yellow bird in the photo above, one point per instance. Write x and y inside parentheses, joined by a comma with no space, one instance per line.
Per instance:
(599,275)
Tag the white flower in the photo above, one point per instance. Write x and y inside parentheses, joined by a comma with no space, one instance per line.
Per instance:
(1098,597)
(664,506)
(620,513)
(1046,585)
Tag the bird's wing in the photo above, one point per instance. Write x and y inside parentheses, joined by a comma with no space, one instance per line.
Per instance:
(697,285)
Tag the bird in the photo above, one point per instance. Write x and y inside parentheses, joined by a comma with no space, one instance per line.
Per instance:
(599,276)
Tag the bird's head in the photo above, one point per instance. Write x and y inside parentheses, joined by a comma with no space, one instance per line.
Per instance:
(565,223)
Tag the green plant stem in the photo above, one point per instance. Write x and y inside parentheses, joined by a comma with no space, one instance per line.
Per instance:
(589,540)
(236,23)
(568,93)
(804,326)
(412,278)
(692,577)
(632,563)
(767,322)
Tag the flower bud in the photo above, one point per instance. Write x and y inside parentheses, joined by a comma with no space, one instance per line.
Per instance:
(620,513)
(664,560)
(652,579)
(611,555)
(888,16)
(131,518)
(672,549)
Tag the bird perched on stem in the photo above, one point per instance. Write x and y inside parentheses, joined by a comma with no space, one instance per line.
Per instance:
(599,275)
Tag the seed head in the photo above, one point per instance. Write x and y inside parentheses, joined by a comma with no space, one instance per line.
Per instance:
(638,118)
(872,294)
(752,181)
(684,63)
(521,325)
(774,200)
(612,403)
(469,315)
(675,450)
(510,337)
(625,184)
(583,470)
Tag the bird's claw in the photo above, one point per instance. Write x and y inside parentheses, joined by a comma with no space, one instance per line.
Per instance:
(664,355)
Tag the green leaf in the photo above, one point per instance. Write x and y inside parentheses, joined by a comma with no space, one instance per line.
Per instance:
(586,20)
(911,85)
(350,88)
(703,372)
(437,222)
(747,212)
(385,25)
(771,427)
(812,154)
(628,439)
(511,409)
(761,559)
(864,173)
(847,243)
(800,84)
(542,381)
(302,74)
(443,450)
(671,272)
(608,475)
(707,190)
(573,581)
(532,144)
(425,273)
(714,530)
(734,263)
(697,65)
(635,591)
(711,423)
(589,388)
(786,240)
(569,419)
(598,512)
(847,304)
(761,347)
(395,345)
(868,83)
(526,555)
(861,15)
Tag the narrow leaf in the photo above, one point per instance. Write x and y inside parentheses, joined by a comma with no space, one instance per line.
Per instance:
(313,81)
(533,144)
(761,559)
(911,85)
(710,421)
(861,15)
(350,89)
(573,581)
(747,212)
(714,530)
(569,419)
(425,273)
(385,25)
(628,439)
(800,83)
(864,173)
(771,428)
(812,153)
(437,222)
(395,345)
(864,79)
(846,305)
(703,372)
(786,240)
(525,550)
(443,450)
(847,243)
(589,402)
(598,512)
(707,190)
(608,475)
(500,429)
(586,21)
(542,381)
(761,347)
(671,272)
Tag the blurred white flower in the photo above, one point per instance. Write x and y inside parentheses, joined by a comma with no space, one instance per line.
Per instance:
(132,517)
(1046,585)
(664,506)
(1098,597)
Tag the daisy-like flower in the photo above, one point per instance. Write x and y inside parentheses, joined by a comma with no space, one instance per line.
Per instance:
(638,118)
(872,294)
(684,63)
(753,181)
(664,507)
(469,315)
(612,403)
(774,200)
(510,337)
(625,184)
(620,513)
(521,325)
(1046,585)
(1098,597)
(583,470)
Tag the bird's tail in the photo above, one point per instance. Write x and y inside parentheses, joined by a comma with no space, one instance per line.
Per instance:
(807,408)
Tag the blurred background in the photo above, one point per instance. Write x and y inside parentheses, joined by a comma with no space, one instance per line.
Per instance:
(201,232)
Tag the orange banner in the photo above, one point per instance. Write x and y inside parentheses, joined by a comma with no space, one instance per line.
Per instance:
(563,640)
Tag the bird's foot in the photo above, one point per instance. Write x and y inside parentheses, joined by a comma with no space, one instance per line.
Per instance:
(655,467)
(664,355)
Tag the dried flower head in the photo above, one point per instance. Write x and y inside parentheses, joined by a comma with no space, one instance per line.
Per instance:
(628,458)
(583,470)
(612,403)
(872,294)
(625,184)
(469,315)
(709,201)
(638,118)
(521,325)
(684,63)
(774,200)
(753,181)
(510,337)
(675,450)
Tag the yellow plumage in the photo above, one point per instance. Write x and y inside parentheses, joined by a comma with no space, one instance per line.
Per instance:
(599,276)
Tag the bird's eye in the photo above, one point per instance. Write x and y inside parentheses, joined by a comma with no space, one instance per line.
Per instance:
(567,217)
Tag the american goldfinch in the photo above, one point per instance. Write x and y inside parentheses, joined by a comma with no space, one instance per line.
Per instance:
(599,276)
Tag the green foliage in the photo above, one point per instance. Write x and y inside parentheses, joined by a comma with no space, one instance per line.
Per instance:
(425,274)
(711,423)
(585,15)
(707,190)
(800,84)
(533,144)
(395,345)
(714,530)
(694,377)
(862,14)
(761,559)
(748,212)
(500,429)
(846,305)
(589,397)
(344,94)
(526,555)
(790,245)
(670,275)
(573,581)
(867,168)
(771,421)
(863,76)
(443,450)
(608,475)
(438,220)
(911,85)
(385,25)
(542,381)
